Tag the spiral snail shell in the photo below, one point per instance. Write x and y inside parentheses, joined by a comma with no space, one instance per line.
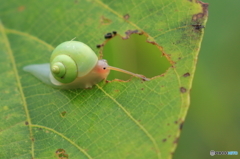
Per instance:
(73,64)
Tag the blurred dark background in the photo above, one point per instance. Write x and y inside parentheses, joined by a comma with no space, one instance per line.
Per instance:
(213,120)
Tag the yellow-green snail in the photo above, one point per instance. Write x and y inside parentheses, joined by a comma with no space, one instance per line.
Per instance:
(73,64)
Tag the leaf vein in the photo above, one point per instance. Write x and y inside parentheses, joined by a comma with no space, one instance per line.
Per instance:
(134,120)
(18,83)
(63,136)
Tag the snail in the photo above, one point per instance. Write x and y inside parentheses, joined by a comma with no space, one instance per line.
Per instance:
(73,64)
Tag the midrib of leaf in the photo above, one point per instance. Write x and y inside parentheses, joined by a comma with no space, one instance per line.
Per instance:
(134,120)
(18,84)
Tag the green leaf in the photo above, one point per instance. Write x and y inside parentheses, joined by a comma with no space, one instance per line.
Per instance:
(116,119)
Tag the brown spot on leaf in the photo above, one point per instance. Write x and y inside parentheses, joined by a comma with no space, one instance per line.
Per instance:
(105,21)
(176,122)
(99,45)
(33,139)
(26,122)
(164,140)
(181,126)
(21,8)
(126,16)
(199,16)
(186,74)
(169,136)
(176,140)
(183,90)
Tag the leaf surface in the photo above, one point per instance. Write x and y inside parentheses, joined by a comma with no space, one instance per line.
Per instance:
(116,119)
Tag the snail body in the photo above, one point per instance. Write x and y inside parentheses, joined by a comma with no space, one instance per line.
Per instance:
(73,64)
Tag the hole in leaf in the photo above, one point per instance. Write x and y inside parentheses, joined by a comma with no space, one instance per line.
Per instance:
(135,55)
(63,113)
(61,154)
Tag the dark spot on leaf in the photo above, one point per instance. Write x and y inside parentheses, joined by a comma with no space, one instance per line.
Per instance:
(186,74)
(198,27)
(183,90)
(108,36)
(142,88)
(21,8)
(98,46)
(26,122)
(176,122)
(126,16)
(61,154)
(168,124)
(105,21)
(33,139)
(169,136)
(176,140)
(106,81)
(63,113)
(164,140)
(181,126)
(114,33)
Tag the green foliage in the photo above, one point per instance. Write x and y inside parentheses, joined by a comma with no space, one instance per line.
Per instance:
(116,119)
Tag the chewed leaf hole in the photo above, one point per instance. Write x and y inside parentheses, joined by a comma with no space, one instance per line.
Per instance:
(63,113)
(136,55)
(61,154)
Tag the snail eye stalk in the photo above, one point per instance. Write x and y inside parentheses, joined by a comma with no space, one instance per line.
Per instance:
(128,72)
